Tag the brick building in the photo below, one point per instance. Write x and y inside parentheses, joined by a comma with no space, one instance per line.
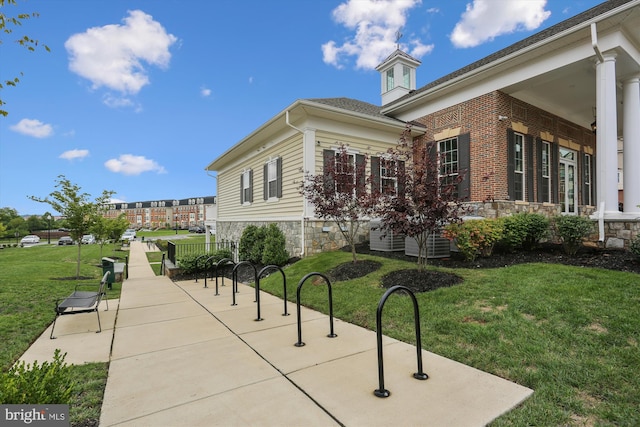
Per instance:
(536,127)
(181,214)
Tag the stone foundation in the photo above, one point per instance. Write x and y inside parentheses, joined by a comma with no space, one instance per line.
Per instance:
(321,236)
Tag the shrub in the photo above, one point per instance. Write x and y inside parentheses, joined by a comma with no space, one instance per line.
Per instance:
(475,237)
(275,251)
(523,230)
(196,262)
(49,383)
(163,245)
(634,247)
(537,227)
(251,244)
(572,229)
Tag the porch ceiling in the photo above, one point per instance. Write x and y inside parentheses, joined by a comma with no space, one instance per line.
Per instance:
(570,90)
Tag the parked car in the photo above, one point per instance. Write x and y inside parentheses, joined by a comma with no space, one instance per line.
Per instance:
(29,239)
(88,239)
(65,240)
(129,235)
(196,229)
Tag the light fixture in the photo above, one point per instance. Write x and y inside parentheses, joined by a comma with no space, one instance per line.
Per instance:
(593,127)
(501,118)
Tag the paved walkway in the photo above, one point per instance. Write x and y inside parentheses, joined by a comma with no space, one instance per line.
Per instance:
(182,356)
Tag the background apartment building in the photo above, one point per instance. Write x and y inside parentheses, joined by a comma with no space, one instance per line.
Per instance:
(181,214)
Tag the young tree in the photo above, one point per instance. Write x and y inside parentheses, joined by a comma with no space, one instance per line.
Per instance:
(79,211)
(340,193)
(425,200)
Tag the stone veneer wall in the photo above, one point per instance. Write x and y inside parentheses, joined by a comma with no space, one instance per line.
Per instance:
(325,236)
(618,233)
(320,235)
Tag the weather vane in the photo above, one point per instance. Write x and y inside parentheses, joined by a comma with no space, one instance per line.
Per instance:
(398,37)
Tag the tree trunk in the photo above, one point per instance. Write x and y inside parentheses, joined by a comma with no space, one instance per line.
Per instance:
(78,263)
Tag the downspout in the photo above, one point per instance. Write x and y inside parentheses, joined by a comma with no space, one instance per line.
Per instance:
(596,49)
(302,239)
(594,42)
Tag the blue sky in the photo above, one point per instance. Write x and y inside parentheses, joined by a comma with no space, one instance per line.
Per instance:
(138,97)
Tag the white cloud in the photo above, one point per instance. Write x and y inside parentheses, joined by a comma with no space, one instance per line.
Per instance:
(32,127)
(375,23)
(128,164)
(113,56)
(74,154)
(484,20)
(205,92)
(114,200)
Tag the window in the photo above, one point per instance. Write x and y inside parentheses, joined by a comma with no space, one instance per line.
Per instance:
(389,79)
(587,180)
(384,174)
(448,151)
(344,171)
(246,187)
(272,181)
(545,164)
(518,147)
(406,77)
(345,176)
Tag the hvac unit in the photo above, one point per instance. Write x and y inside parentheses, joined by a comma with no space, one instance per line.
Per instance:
(389,243)
(437,246)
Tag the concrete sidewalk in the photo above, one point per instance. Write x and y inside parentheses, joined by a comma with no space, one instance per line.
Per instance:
(182,356)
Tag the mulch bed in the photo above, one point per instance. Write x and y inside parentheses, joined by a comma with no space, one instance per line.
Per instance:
(426,280)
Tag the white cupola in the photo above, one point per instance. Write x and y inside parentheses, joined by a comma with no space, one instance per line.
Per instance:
(397,75)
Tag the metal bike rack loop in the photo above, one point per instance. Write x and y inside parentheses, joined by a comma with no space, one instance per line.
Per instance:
(284,282)
(304,279)
(223,262)
(234,287)
(205,267)
(381,391)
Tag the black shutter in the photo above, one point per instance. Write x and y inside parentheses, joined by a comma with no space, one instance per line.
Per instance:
(540,181)
(250,198)
(375,175)
(555,170)
(529,154)
(511,164)
(279,177)
(241,188)
(360,173)
(464,166)
(328,169)
(265,181)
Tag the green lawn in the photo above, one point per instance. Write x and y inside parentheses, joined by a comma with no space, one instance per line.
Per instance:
(31,279)
(569,333)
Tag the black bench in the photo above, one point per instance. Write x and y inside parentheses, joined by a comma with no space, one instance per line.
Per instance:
(84,299)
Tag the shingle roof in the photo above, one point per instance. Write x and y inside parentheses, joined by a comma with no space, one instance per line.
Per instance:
(361,107)
(542,35)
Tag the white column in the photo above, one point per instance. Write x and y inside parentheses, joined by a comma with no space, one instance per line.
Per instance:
(631,147)
(606,134)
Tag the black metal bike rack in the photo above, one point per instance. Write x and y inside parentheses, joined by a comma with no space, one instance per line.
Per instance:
(234,287)
(328,282)
(381,391)
(284,282)
(205,267)
(223,262)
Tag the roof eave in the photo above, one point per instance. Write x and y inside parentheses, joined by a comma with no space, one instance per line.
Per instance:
(407,102)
